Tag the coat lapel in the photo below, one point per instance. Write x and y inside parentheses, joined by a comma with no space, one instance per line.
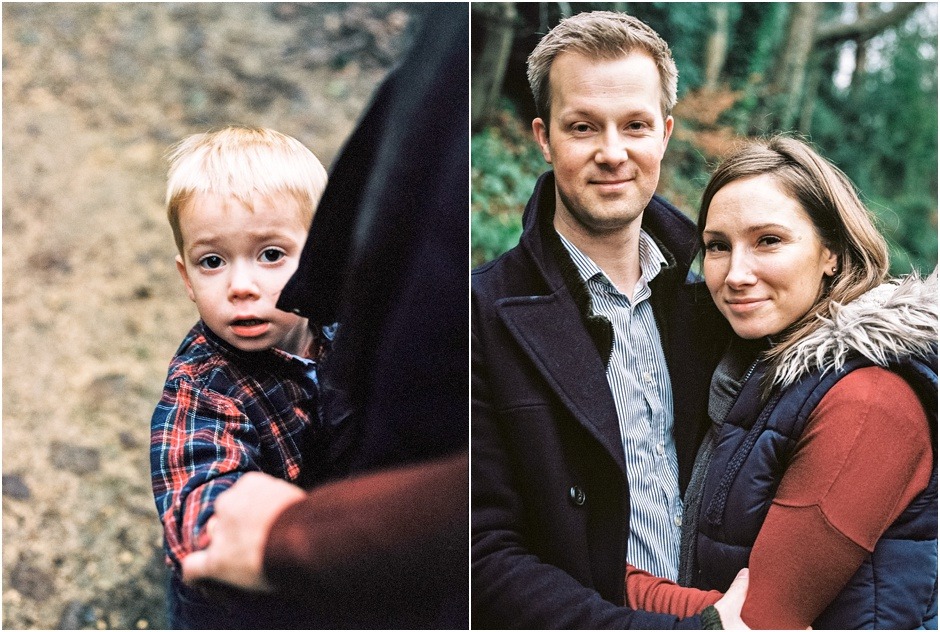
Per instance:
(551,333)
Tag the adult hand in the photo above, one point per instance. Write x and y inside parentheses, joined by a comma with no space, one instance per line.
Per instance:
(239,531)
(729,606)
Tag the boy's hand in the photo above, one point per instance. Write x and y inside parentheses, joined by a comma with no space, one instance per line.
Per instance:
(239,531)
(729,606)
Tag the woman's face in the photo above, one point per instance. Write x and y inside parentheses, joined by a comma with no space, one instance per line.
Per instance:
(764,262)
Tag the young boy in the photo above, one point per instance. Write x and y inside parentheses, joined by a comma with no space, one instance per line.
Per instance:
(240,392)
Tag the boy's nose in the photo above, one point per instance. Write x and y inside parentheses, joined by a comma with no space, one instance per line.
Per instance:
(242,283)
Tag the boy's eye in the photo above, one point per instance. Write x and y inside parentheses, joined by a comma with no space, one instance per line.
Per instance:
(211,262)
(271,255)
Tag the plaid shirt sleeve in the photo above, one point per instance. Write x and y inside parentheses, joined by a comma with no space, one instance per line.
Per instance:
(201,442)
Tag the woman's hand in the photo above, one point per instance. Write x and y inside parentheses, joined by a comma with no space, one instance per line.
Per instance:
(729,606)
(239,531)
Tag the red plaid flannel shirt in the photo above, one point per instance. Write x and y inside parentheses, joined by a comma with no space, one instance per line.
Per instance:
(224,412)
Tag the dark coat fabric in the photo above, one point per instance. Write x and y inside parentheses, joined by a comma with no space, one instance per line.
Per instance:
(549,494)
(386,257)
(896,586)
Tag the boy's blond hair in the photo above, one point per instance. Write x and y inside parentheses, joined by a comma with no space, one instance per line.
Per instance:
(242,162)
(600,35)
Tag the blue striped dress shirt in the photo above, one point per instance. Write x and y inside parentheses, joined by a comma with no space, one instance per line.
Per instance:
(639,381)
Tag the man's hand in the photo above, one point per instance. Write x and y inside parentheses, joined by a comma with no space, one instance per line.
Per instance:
(239,531)
(729,606)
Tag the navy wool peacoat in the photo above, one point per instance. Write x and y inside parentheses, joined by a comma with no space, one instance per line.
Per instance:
(550,501)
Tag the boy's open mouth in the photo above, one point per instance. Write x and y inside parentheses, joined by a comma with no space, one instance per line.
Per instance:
(247,322)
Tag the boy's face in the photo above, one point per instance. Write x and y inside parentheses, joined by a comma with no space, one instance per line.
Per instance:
(235,263)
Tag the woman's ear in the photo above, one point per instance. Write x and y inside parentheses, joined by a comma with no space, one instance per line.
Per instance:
(831,262)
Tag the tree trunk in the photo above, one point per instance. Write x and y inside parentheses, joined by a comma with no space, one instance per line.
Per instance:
(861,46)
(786,89)
(813,79)
(489,69)
(716,49)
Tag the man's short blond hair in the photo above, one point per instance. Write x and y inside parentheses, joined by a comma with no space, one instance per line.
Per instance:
(600,35)
(242,162)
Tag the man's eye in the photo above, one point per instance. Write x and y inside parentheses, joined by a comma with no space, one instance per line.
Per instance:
(581,128)
(271,255)
(211,262)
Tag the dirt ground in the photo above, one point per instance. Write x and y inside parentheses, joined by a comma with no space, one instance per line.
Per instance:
(93,309)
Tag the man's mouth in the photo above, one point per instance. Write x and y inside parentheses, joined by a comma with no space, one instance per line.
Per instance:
(611,185)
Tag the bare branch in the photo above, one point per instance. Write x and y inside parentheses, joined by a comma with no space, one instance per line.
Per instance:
(864,28)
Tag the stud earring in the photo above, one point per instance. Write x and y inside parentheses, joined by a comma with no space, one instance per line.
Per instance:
(834,269)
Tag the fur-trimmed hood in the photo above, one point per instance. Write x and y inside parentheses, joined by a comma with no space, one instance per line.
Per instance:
(894,320)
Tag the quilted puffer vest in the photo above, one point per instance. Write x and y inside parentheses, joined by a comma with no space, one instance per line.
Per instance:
(896,586)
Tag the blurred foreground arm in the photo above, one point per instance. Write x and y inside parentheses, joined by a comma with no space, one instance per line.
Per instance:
(374,526)
(238,531)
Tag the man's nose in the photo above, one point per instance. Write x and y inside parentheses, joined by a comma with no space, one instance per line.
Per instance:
(612,149)
(243,283)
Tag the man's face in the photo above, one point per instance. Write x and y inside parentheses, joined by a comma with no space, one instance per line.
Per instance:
(605,139)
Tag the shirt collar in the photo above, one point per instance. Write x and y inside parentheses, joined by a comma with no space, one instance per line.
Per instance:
(651,259)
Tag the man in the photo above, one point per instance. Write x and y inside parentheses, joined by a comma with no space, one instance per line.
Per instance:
(385,545)
(591,355)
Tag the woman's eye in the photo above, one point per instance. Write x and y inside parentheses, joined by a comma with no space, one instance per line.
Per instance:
(716,246)
(272,255)
(211,262)
(769,240)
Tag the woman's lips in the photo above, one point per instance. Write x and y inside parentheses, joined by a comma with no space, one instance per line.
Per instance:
(743,306)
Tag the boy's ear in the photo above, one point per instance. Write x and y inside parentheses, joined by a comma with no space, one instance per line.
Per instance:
(182,270)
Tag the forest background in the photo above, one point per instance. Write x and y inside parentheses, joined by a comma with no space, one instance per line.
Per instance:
(857,79)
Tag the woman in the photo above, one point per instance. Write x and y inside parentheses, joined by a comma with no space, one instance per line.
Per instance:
(819,472)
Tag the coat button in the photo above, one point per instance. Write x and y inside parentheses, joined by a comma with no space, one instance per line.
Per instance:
(576,494)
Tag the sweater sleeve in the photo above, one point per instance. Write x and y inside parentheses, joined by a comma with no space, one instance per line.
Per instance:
(357,534)
(862,459)
(655,594)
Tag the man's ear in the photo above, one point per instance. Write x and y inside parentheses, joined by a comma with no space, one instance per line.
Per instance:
(181,267)
(668,124)
(540,131)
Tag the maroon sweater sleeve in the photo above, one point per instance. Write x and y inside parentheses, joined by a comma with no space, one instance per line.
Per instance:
(864,456)
(655,594)
(384,523)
